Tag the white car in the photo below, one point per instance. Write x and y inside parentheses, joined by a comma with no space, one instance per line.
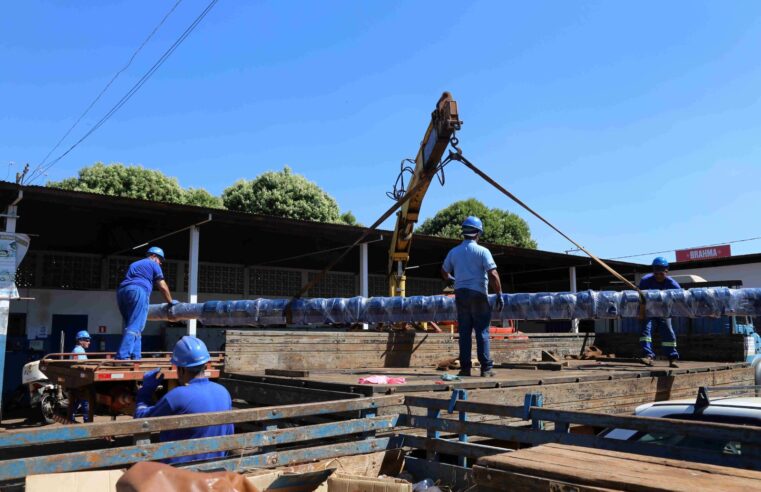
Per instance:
(726,410)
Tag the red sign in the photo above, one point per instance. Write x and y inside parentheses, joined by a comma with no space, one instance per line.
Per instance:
(101,329)
(708,253)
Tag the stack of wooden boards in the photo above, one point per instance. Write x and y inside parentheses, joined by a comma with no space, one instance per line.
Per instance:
(560,467)
(718,347)
(258,350)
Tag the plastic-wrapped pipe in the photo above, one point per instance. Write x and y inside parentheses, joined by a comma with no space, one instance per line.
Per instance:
(693,303)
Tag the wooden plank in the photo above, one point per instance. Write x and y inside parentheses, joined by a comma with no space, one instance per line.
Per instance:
(491,480)
(44,435)
(622,471)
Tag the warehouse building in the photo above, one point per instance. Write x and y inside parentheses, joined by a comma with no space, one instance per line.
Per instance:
(81,244)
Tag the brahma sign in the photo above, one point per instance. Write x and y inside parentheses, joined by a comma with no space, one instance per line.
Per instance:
(707,253)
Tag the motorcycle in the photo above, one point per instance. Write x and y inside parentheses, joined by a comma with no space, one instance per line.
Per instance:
(44,396)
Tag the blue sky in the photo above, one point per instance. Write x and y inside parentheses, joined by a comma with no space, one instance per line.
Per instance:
(634,126)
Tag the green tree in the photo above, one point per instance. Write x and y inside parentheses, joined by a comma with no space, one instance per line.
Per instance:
(135,182)
(283,194)
(201,198)
(348,218)
(500,226)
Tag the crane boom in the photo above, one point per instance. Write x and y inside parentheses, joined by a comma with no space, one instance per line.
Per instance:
(444,122)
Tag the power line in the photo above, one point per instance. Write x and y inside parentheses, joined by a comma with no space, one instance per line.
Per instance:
(695,247)
(103,91)
(133,90)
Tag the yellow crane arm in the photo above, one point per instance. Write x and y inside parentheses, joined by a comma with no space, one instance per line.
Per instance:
(444,122)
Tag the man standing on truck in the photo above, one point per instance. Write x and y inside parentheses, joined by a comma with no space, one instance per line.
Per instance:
(473,268)
(83,343)
(658,280)
(81,406)
(196,394)
(133,297)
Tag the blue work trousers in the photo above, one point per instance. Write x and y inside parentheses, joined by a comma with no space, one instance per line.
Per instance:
(133,304)
(473,314)
(81,407)
(668,342)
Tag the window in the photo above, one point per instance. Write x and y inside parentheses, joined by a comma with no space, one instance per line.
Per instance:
(223,279)
(334,284)
(27,271)
(62,271)
(424,286)
(274,282)
(377,286)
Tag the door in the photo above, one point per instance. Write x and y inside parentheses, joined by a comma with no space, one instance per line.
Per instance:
(69,325)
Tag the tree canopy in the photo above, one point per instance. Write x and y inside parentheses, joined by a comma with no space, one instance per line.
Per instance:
(283,194)
(135,182)
(500,226)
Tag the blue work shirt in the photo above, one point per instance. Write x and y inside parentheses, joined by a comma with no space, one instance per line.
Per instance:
(143,273)
(199,396)
(79,350)
(648,282)
(469,262)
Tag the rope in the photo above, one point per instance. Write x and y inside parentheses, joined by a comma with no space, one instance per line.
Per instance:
(488,179)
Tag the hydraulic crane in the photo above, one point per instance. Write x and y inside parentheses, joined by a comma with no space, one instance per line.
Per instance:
(444,123)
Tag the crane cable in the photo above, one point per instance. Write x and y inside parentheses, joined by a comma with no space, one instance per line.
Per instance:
(457,156)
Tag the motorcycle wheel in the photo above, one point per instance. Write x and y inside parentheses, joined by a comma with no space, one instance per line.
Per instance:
(49,408)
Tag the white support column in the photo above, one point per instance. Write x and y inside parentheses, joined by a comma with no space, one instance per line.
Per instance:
(574,322)
(5,304)
(364,278)
(193,274)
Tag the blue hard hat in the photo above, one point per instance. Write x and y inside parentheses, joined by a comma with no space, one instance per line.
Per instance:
(82,334)
(155,250)
(190,352)
(660,263)
(473,222)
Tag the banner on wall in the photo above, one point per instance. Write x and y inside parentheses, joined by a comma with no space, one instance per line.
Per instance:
(13,248)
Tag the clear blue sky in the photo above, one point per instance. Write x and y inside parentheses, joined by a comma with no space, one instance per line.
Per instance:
(634,126)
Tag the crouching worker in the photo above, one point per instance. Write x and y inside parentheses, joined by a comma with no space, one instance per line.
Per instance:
(195,395)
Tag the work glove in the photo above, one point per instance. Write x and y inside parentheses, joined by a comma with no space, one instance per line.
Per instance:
(499,303)
(151,380)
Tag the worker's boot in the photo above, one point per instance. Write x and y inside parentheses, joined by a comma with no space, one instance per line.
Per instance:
(487,373)
(672,363)
(464,372)
(648,361)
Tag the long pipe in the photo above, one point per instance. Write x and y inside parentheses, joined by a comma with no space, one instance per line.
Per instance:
(693,303)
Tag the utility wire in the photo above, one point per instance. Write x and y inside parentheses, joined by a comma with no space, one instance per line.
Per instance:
(103,91)
(133,90)
(694,247)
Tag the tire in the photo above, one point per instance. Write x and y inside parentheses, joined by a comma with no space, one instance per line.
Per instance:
(49,407)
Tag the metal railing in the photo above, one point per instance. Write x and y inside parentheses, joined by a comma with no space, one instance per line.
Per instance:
(538,432)
(140,430)
(352,429)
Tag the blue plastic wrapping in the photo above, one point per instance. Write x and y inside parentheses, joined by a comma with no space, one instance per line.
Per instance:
(693,303)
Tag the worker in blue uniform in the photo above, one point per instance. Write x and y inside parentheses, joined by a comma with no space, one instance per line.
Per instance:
(80,406)
(472,267)
(133,297)
(658,280)
(195,395)
(83,343)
